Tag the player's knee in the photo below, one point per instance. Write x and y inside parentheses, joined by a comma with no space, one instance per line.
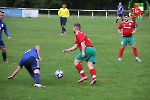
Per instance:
(76,62)
(37,71)
(3,49)
(90,65)
(133,46)
(122,47)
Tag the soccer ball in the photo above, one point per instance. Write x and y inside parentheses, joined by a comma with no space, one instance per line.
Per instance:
(58,74)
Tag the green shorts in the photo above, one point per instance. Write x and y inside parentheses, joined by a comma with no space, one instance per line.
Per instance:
(129,40)
(135,21)
(90,55)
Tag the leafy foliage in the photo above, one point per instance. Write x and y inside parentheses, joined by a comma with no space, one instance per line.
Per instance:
(72,4)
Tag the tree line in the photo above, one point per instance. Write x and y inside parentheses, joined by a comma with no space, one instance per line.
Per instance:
(71,4)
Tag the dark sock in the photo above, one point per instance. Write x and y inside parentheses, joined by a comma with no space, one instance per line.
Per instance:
(4,56)
(37,78)
(62,30)
(116,20)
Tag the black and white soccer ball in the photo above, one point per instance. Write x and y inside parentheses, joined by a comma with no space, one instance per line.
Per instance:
(59,74)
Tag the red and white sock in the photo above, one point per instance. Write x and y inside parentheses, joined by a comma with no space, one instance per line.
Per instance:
(93,73)
(135,52)
(121,52)
(80,70)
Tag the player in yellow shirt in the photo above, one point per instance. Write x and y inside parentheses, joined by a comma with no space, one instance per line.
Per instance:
(64,14)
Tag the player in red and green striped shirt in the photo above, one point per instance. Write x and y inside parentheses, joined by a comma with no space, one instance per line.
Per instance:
(87,52)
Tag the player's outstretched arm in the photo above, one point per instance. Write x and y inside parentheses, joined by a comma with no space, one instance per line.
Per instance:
(70,49)
(14,73)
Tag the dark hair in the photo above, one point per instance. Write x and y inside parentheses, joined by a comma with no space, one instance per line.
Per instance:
(77,25)
(64,4)
(126,15)
(1,11)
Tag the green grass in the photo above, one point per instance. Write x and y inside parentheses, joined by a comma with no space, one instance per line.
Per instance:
(125,80)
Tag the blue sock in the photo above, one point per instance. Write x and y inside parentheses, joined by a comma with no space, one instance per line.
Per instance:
(37,78)
(32,75)
(4,56)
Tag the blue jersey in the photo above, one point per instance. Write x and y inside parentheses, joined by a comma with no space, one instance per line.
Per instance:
(28,54)
(3,27)
(120,9)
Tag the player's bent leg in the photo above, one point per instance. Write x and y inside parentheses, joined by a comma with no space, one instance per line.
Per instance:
(80,70)
(92,72)
(116,19)
(63,29)
(77,61)
(37,79)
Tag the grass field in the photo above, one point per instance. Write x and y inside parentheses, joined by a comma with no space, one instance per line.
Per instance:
(125,80)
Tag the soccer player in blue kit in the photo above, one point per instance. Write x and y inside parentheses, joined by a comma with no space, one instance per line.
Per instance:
(119,12)
(2,45)
(30,60)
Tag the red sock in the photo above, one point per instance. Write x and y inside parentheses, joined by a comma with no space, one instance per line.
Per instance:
(135,52)
(121,52)
(93,73)
(80,70)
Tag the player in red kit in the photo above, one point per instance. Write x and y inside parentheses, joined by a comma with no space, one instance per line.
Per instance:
(87,52)
(134,16)
(127,28)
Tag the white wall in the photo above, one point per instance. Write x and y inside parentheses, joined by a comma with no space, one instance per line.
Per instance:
(30,13)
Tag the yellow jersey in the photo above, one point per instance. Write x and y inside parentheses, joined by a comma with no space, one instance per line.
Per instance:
(63,12)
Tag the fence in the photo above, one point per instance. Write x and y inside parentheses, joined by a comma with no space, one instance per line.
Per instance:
(76,12)
(79,13)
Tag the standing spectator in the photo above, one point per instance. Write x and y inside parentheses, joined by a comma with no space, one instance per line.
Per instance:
(87,53)
(119,12)
(30,60)
(64,14)
(2,45)
(127,29)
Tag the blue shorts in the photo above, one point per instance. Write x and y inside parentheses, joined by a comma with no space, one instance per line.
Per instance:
(120,15)
(63,20)
(31,64)
(2,44)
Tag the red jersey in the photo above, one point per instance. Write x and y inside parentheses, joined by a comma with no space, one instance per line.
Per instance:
(134,16)
(126,28)
(81,37)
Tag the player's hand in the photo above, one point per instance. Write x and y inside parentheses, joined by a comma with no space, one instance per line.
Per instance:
(40,59)
(133,32)
(10,77)
(9,38)
(83,54)
(65,50)
(120,33)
